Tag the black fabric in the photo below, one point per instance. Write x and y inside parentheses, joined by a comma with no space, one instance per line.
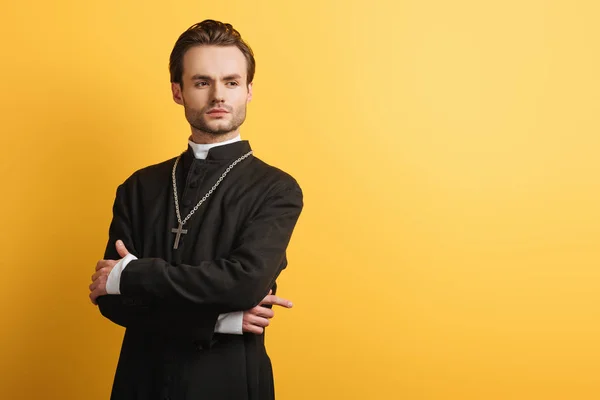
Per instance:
(228,261)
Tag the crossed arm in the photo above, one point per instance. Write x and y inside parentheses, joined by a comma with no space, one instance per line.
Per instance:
(189,298)
(254,320)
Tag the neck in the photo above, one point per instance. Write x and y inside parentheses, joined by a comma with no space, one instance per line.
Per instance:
(201,137)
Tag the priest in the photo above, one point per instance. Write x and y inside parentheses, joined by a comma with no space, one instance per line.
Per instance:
(197,242)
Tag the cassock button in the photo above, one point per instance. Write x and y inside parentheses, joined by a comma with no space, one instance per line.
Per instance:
(194,184)
(187,202)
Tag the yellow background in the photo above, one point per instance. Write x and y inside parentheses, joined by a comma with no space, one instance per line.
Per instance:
(448,151)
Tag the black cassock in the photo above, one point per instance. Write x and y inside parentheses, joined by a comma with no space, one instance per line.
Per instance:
(170,299)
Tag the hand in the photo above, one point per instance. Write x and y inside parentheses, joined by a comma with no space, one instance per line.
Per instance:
(257,318)
(103,268)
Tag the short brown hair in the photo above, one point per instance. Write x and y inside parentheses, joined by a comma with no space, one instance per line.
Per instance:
(209,33)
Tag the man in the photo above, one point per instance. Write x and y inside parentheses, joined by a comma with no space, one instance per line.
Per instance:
(197,239)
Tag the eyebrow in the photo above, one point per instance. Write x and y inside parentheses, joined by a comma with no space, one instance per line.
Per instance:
(231,77)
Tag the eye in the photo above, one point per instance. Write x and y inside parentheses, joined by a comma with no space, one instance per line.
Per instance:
(232,83)
(201,84)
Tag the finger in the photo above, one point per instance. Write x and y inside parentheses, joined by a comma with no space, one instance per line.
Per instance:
(261,311)
(104,271)
(94,285)
(270,293)
(105,263)
(98,291)
(93,297)
(256,321)
(277,301)
(247,327)
(121,249)
(97,282)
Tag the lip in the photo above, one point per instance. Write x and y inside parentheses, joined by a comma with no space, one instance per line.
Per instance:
(218,111)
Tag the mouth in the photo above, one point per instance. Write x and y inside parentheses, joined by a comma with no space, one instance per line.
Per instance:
(218,111)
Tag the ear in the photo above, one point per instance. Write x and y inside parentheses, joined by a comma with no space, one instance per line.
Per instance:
(249,93)
(177,96)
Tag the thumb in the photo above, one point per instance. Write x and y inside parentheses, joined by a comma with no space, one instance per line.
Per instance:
(265,299)
(121,249)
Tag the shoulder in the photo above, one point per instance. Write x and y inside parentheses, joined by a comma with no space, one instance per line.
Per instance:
(150,175)
(271,178)
(267,188)
(153,171)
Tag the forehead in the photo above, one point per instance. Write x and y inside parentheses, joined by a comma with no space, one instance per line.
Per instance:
(214,61)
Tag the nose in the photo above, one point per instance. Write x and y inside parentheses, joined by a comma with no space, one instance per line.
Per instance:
(217,95)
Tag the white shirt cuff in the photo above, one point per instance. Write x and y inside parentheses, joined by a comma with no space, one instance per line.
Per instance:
(230,323)
(113,282)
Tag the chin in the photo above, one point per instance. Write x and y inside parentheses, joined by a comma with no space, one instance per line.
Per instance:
(220,131)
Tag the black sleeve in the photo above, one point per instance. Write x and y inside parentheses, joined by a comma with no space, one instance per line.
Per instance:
(140,311)
(237,282)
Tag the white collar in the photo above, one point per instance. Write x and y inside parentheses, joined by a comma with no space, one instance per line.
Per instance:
(201,150)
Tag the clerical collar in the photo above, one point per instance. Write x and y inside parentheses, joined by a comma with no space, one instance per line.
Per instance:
(201,150)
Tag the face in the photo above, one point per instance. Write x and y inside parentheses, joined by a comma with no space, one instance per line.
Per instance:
(215,93)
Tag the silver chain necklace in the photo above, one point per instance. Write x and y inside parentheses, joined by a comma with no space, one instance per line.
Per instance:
(179,230)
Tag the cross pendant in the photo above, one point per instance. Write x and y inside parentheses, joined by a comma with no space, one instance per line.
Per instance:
(178,232)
